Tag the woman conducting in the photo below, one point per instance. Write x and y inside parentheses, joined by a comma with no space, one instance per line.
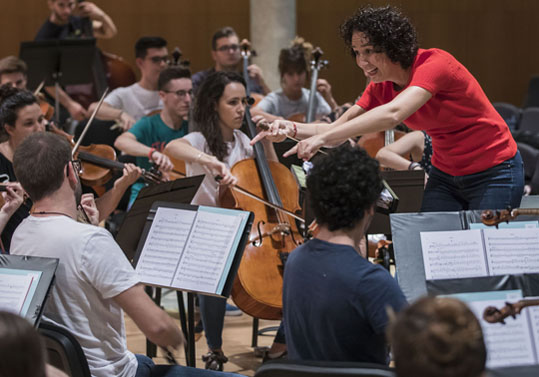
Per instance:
(475,162)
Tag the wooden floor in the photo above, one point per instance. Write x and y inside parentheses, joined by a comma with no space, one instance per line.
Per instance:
(236,343)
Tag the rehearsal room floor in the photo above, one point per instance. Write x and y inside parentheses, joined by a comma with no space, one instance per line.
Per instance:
(236,342)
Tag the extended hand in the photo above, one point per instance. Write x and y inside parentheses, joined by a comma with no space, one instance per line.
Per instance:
(307,148)
(278,131)
(88,205)
(162,161)
(13,198)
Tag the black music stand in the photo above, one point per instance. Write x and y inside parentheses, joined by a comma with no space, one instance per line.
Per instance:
(47,267)
(59,62)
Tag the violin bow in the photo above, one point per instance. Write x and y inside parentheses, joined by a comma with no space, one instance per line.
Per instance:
(492,314)
(77,144)
(39,87)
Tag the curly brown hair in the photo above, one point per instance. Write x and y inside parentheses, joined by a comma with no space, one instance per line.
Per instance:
(437,337)
(387,29)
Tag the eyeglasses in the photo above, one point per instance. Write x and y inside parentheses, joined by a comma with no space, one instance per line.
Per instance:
(159,59)
(181,93)
(77,166)
(226,48)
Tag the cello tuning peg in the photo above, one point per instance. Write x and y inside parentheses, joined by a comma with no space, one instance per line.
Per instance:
(176,55)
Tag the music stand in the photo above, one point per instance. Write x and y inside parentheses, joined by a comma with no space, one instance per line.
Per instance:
(59,62)
(20,265)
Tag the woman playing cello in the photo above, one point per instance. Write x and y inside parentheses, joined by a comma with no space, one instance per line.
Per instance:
(219,112)
(475,162)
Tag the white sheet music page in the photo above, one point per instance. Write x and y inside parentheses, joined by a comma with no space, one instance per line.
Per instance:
(453,254)
(512,251)
(14,292)
(533,314)
(208,249)
(507,345)
(164,245)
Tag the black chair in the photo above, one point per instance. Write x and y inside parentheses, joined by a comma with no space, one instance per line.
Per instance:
(510,114)
(532,96)
(64,351)
(290,368)
(530,120)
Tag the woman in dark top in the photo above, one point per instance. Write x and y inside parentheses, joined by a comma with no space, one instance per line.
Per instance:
(20,115)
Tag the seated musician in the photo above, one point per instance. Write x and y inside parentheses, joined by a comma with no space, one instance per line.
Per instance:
(127,105)
(95,282)
(20,116)
(13,71)
(149,136)
(225,51)
(66,20)
(219,112)
(292,98)
(437,337)
(334,299)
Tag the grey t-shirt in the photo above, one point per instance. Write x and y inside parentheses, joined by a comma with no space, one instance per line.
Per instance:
(135,100)
(277,103)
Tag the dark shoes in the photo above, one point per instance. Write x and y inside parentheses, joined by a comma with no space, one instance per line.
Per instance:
(214,360)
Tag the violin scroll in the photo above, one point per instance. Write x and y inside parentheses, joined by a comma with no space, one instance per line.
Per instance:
(493,218)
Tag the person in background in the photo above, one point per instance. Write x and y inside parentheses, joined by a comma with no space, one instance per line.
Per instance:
(225,52)
(292,99)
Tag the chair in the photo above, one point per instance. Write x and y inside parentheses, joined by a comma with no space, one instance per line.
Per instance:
(532,96)
(510,114)
(290,368)
(530,120)
(64,351)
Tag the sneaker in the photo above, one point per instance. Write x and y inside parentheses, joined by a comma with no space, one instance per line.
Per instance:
(232,311)
(214,360)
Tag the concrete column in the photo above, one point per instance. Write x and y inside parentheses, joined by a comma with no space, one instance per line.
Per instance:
(273,26)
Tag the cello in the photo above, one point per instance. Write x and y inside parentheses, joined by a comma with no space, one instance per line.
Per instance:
(257,289)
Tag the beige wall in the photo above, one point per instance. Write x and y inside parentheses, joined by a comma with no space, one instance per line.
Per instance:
(496,39)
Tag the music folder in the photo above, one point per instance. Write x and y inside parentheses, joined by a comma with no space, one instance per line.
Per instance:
(26,283)
(192,248)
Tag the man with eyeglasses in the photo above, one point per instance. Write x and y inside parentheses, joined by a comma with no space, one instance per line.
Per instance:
(127,105)
(149,136)
(226,53)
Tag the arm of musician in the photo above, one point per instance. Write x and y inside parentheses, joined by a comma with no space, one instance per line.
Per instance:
(74,108)
(102,24)
(182,149)
(394,155)
(380,118)
(128,143)
(255,72)
(150,319)
(108,202)
(324,87)
(108,112)
(13,198)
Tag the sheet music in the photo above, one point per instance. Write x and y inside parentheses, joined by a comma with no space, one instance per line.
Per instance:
(207,251)
(453,254)
(507,345)
(512,251)
(164,245)
(533,315)
(15,291)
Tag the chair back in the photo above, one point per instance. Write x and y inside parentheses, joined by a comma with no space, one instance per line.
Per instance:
(510,114)
(530,120)
(290,368)
(532,96)
(64,351)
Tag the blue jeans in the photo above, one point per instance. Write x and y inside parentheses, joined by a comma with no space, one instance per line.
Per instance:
(495,188)
(147,368)
(212,313)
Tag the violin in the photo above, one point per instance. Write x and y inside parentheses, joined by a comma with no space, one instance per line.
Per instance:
(495,315)
(257,289)
(494,217)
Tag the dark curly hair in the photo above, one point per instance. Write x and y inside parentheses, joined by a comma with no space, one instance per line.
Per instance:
(342,185)
(11,101)
(437,337)
(205,114)
(387,29)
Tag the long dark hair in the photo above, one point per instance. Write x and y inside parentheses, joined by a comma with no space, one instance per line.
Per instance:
(205,114)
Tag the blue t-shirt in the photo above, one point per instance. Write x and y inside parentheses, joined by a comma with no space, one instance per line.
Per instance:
(334,304)
(153,132)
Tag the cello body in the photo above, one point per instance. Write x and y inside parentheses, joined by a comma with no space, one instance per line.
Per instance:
(258,287)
